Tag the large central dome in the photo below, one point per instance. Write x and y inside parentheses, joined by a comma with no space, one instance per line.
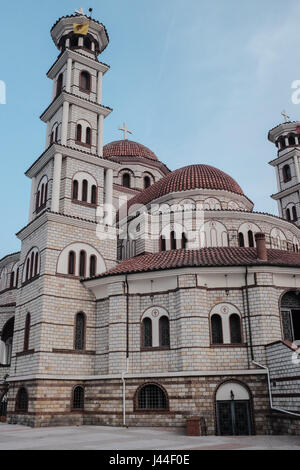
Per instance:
(188,178)
(127,148)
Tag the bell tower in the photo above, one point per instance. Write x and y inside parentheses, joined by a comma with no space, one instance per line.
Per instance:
(286,137)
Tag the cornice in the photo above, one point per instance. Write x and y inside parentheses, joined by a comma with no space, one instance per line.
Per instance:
(78,57)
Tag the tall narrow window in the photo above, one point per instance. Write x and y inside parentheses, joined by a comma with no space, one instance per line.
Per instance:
(75,190)
(71,264)
(56,134)
(27,269)
(241,240)
(85,81)
(88,135)
(292,140)
(42,194)
(84,190)
(79,331)
(78,132)
(27,332)
(183,241)
(36,264)
(74,40)
(93,265)
(87,43)
(46,193)
(288,214)
(173,241)
(17,277)
(147,332)
(22,400)
(126,180)
(162,243)
(251,238)
(59,84)
(94,195)
(235,329)
(31,265)
(82,263)
(78,398)
(37,201)
(294,212)
(164,332)
(12,279)
(216,329)
(286,171)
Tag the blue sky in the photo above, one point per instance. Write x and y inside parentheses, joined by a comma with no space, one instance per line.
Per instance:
(197,81)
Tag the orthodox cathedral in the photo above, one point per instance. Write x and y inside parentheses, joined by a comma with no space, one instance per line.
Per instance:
(143,296)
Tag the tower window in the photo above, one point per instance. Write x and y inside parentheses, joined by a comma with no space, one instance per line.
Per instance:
(282,142)
(286,171)
(294,211)
(82,263)
(87,43)
(75,190)
(84,190)
(241,240)
(235,329)
(162,243)
(27,332)
(292,140)
(173,241)
(126,180)
(78,133)
(59,84)
(147,182)
(94,195)
(164,332)
(74,40)
(85,81)
(22,400)
(93,265)
(88,135)
(288,214)
(147,333)
(251,238)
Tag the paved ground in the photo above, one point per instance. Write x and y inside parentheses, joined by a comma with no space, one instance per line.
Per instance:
(108,438)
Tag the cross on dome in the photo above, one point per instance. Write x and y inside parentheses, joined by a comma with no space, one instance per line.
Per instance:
(125,130)
(286,116)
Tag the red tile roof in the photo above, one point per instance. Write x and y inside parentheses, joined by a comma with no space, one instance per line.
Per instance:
(204,257)
(127,148)
(190,177)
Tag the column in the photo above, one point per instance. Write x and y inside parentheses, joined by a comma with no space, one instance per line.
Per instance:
(286,139)
(68,43)
(48,132)
(99,88)
(109,177)
(280,209)
(56,182)
(54,84)
(100,135)
(32,198)
(278,179)
(69,75)
(65,121)
(80,42)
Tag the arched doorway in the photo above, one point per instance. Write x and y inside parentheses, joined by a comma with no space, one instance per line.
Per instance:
(233,410)
(3,407)
(290,315)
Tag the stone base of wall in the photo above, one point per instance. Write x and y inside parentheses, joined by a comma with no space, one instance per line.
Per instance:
(281,424)
(50,402)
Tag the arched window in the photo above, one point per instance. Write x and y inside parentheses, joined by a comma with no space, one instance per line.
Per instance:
(78,398)
(93,265)
(56,134)
(79,332)
(85,81)
(250,238)
(7,338)
(82,263)
(37,200)
(286,171)
(184,241)
(294,212)
(147,332)
(235,329)
(59,84)
(241,240)
(71,264)
(78,133)
(216,329)
(126,180)
(36,264)
(27,269)
(292,140)
(164,332)
(27,332)
(147,182)
(22,400)
(173,241)
(87,43)
(31,265)
(12,280)
(75,190)
(94,195)
(88,135)
(162,243)
(74,40)
(152,397)
(84,190)
(282,142)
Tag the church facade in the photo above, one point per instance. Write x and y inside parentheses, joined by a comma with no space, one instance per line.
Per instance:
(143,296)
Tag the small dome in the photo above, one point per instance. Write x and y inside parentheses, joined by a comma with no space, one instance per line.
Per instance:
(187,178)
(127,148)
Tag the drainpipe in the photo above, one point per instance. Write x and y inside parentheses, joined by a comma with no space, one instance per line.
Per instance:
(275,408)
(248,314)
(127,351)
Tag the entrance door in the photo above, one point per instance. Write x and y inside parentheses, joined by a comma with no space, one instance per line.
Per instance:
(233,418)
